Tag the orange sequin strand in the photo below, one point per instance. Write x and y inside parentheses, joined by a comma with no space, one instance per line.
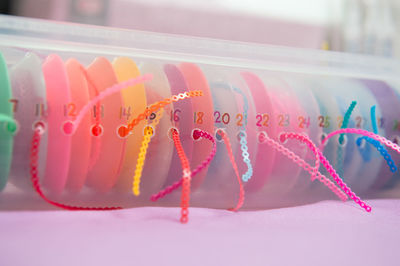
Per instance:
(240,202)
(123,131)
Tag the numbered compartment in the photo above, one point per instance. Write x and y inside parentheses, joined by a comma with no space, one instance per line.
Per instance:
(30,107)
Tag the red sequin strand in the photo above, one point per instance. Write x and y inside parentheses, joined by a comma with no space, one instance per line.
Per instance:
(200,134)
(185,197)
(34,157)
(235,168)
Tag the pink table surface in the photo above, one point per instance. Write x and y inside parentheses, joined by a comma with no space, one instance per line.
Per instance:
(325,233)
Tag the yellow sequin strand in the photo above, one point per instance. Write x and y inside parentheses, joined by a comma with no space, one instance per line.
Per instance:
(148,132)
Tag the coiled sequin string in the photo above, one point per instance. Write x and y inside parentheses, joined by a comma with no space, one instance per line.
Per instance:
(197,135)
(365,154)
(148,133)
(304,139)
(225,137)
(366,133)
(332,171)
(73,125)
(186,177)
(373,119)
(243,138)
(123,131)
(263,138)
(339,157)
(382,151)
(34,157)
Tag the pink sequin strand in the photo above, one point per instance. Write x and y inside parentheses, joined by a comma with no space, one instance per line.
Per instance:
(263,138)
(332,171)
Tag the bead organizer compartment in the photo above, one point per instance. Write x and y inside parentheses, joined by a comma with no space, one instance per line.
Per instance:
(104,173)
(394,125)
(262,164)
(287,107)
(118,124)
(181,118)
(164,140)
(202,115)
(386,96)
(161,147)
(81,142)
(7,124)
(59,144)
(369,171)
(29,88)
(309,105)
(125,69)
(348,162)
(223,100)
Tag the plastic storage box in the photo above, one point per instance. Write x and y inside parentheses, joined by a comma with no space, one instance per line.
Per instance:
(50,71)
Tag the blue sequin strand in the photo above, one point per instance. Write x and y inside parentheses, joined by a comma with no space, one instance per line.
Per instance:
(376,144)
(346,118)
(243,138)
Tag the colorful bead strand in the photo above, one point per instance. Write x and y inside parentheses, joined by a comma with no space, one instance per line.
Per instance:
(243,138)
(346,119)
(263,138)
(366,133)
(240,202)
(197,134)
(333,173)
(148,133)
(34,158)
(376,144)
(185,196)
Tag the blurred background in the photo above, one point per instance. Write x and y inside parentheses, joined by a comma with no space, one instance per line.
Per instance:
(357,26)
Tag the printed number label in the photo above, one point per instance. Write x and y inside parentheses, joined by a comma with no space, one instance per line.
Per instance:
(39,109)
(125,112)
(96,111)
(324,121)
(340,121)
(283,120)
(262,120)
(14,103)
(70,110)
(198,117)
(175,115)
(304,122)
(381,122)
(225,118)
(152,116)
(359,122)
(239,120)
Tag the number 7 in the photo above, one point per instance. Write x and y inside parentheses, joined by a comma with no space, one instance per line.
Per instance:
(15,104)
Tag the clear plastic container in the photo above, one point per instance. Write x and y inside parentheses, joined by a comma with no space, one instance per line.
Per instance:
(51,70)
